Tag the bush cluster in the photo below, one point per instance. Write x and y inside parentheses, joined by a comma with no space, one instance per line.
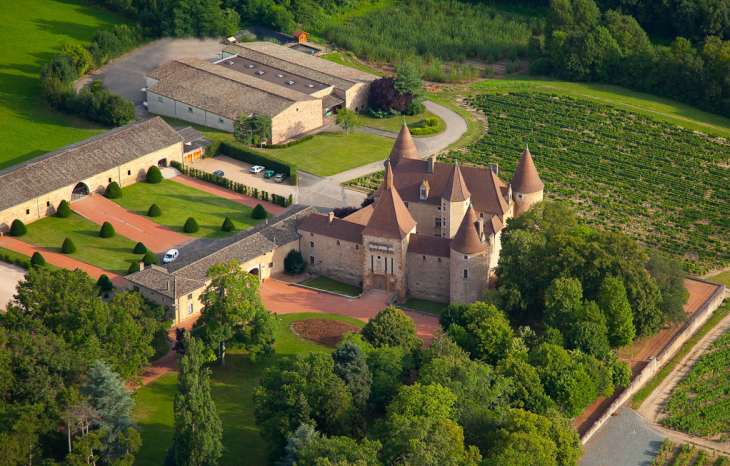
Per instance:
(238,187)
(104,283)
(290,144)
(14,260)
(244,154)
(294,262)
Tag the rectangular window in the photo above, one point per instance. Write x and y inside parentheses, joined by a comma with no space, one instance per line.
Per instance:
(439,260)
(190,296)
(391,265)
(271,265)
(136,288)
(190,109)
(357,247)
(372,263)
(190,308)
(466,274)
(129,172)
(481,214)
(48,203)
(424,257)
(437,222)
(110,179)
(311,260)
(386,265)
(220,120)
(159,99)
(466,257)
(27,211)
(311,244)
(438,208)
(338,242)
(519,196)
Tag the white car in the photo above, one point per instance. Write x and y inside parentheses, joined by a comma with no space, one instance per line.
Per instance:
(257,169)
(170,256)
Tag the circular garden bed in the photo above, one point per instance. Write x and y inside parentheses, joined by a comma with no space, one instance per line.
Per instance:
(324,331)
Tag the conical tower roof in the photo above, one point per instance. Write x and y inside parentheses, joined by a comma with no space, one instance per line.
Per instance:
(455,189)
(404,146)
(467,240)
(526,180)
(390,218)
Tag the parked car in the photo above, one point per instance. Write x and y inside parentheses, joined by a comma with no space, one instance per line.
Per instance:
(257,169)
(170,256)
(219,173)
(279,177)
(268,173)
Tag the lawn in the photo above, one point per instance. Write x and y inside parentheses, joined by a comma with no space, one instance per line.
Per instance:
(722,278)
(178,202)
(232,390)
(210,133)
(395,123)
(424,305)
(335,286)
(31,33)
(348,59)
(112,254)
(333,152)
(10,257)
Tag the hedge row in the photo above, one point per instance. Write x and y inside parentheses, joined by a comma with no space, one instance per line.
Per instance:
(289,144)
(254,157)
(15,260)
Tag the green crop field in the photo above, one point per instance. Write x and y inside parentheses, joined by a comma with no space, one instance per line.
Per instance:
(30,37)
(686,454)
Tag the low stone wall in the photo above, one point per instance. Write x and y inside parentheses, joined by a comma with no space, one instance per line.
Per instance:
(697,320)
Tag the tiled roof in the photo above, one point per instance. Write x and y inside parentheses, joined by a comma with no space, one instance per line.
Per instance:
(222,91)
(455,189)
(493,225)
(390,218)
(429,245)
(404,147)
(331,100)
(160,280)
(341,229)
(526,180)
(467,240)
(362,216)
(87,158)
(190,134)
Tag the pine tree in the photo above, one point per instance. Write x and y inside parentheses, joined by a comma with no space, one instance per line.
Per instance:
(615,306)
(198,429)
(352,368)
(140,248)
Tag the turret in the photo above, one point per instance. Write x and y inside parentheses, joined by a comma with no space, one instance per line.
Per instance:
(470,259)
(527,187)
(404,147)
(454,202)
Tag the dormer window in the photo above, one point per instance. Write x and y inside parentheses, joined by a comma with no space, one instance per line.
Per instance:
(289,83)
(249,65)
(279,75)
(309,85)
(259,72)
(425,188)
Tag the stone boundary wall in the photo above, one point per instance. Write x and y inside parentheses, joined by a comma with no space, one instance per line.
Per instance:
(646,374)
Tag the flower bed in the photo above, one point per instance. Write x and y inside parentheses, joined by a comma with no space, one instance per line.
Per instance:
(324,331)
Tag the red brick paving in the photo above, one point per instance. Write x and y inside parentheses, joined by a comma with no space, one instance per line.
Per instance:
(136,227)
(228,194)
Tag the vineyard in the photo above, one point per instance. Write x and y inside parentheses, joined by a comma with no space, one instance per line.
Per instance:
(686,455)
(700,404)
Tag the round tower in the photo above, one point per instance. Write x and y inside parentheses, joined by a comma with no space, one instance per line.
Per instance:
(469,260)
(527,187)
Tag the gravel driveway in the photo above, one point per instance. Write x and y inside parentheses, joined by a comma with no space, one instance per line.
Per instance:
(10,275)
(624,440)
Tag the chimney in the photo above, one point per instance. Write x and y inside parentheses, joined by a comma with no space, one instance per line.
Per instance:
(331,216)
(141,266)
(480,229)
(167,287)
(494,167)
(431,162)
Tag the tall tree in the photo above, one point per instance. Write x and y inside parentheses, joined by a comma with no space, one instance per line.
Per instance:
(261,126)
(669,276)
(487,334)
(408,80)
(391,327)
(350,365)
(198,429)
(242,130)
(615,305)
(563,300)
(347,120)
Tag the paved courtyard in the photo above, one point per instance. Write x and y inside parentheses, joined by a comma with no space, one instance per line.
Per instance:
(239,172)
(10,275)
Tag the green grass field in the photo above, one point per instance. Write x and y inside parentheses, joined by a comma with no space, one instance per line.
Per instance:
(210,133)
(112,254)
(178,202)
(330,153)
(31,33)
(424,305)
(348,59)
(395,123)
(722,278)
(328,284)
(232,390)
(9,257)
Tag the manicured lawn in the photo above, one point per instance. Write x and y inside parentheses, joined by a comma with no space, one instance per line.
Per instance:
(395,123)
(330,153)
(31,33)
(8,256)
(425,305)
(348,59)
(232,390)
(178,202)
(112,254)
(328,284)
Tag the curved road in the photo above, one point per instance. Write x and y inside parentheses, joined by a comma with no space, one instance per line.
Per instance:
(326,192)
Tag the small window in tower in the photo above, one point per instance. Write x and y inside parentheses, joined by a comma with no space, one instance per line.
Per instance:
(424,257)
(437,222)
(129,172)
(311,260)
(311,244)
(481,214)
(406,204)
(439,260)
(110,179)
(27,211)
(466,274)
(519,196)
(466,257)
(271,265)
(48,203)
(338,242)
(438,208)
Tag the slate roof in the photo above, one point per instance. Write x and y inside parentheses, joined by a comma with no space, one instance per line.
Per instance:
(455,189)
(390,218)
(190,134)
(71,164)
(220,90)
(526,180)
(467,240)
(429,245)
(341,229)
(404,146)
(160,280)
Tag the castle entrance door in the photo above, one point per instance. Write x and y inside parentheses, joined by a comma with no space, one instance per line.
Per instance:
(380,283)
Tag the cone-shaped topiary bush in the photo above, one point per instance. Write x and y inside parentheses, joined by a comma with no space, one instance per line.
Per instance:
(68,246)
(64,210)
(113,191)
(258,212)
(104,283)
(191,226)
(154,175)
(133,267)
(140,248)
(37,260)
(18,228)
(154,211)
(149,258)
(107,230)
(228,225)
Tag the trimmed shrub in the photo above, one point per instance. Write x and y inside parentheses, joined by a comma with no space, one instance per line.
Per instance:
(37,260)
(18,228)
(294,262)
(258,212)
(107,230)
(64,210)
(191,225)
(228,225)
(113,191)
(149,258)
(154,211)
(432,121)
(154,175)
(140,248)
(104,283)
(68,246)
(133,267)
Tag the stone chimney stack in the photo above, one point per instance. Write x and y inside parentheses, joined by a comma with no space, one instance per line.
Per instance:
(494,167)
(480,228)
(168,286)
(141,266)
(331,217)
(431,163)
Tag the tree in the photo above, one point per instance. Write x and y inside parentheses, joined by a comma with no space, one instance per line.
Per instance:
(352,368)
(191,225)
(408,80)
(432,401)
(113,191)
(233,313)
(389,365)
(149,258)
(104,283)
(154,175)
(391,327)
(228,225)
(154,211)
(615,306)
(384,97)
(322,450)
(296,442)
(242,129)
(107,230)
(37,259)
(68,246)
(487,334)
(527,390)
(261,126)
(186,18)
(563,300)
(18,228)
(64,210)
(231,20)
(294,262)
(589,337)
(347,120)
(198,429)
(259,212)
(669,276)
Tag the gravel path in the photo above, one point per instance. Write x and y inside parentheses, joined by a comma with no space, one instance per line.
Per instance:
(10,275)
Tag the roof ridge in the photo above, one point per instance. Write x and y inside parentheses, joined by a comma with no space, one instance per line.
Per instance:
(526,178)
(456,189)
(467,240)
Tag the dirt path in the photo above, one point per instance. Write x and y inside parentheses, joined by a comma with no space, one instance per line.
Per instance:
(228,194)
(156,237)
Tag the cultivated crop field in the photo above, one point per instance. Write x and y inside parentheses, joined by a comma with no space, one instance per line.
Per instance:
(686,454)
(665,185)
(700,404)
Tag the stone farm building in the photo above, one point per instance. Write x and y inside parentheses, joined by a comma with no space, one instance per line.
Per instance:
(33,189)
(297,91)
